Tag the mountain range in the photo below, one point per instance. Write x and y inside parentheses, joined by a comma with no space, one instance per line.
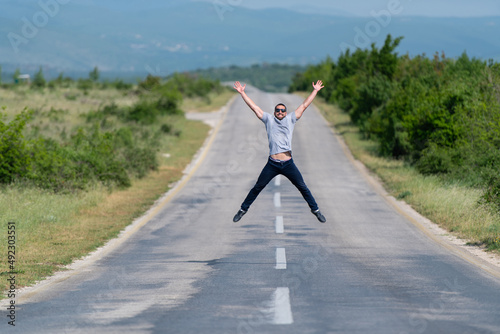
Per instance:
(74,36)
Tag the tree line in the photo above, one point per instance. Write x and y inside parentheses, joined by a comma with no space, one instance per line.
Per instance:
(38,81)
(439,114)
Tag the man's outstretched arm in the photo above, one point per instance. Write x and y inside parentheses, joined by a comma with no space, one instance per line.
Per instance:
(256,109)
(316,88)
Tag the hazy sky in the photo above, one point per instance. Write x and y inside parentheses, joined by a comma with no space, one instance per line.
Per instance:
(440,8)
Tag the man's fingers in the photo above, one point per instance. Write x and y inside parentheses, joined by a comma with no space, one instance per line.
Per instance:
(319,84)
(238,86)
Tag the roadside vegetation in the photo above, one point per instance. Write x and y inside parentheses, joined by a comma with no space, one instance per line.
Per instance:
(429,128)
(80,159)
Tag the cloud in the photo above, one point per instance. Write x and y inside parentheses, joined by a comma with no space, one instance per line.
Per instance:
(178,48)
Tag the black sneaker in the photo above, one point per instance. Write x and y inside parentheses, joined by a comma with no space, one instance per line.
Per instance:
(238,215)
(319,215)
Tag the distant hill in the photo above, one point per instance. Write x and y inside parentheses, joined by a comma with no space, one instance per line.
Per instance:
(164,37)
(267,77)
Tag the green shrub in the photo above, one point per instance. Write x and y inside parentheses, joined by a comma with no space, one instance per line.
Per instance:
(139,161)
(95,157)
(14,157)
(168,102)
(144,112)
(53,167)
(435,160)
(85,84)
(492,193)
(345,93)
(162,101)
(150,83)
(166,128)
(90,156)
(370,95)
(39,79)
(192,85)
(121,85)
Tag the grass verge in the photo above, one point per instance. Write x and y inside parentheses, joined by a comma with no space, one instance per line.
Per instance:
(453,206)
(52,230)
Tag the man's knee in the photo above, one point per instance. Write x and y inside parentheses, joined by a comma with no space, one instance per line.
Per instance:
(302,187)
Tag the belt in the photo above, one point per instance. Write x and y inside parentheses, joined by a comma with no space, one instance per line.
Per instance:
(280,161)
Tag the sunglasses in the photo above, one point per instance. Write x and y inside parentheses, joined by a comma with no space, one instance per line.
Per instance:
(279,110)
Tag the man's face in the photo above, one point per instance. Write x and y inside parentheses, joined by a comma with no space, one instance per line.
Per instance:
(280,112)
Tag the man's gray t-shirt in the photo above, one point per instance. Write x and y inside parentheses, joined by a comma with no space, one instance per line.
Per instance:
(279,133)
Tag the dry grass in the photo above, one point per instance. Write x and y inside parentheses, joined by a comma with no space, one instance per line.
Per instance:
(72,99)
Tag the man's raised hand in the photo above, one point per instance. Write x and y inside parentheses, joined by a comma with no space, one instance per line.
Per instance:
(318,85)
(239,87)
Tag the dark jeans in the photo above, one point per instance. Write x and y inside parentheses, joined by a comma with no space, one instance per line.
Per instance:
(286,168)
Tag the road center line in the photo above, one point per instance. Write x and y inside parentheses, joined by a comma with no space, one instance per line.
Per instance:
(280,258)
(281,307)
(277,200)
(277,180)
(279,225)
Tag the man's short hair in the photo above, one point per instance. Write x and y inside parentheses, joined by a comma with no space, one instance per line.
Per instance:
(279,104)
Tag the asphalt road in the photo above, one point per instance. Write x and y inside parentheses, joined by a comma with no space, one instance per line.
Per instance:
(190,269)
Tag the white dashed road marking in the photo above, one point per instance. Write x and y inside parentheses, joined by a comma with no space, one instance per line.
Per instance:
(280,228)
(277,200)
(280,258)
(281,307)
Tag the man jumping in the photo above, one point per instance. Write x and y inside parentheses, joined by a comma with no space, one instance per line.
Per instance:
(279,133)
